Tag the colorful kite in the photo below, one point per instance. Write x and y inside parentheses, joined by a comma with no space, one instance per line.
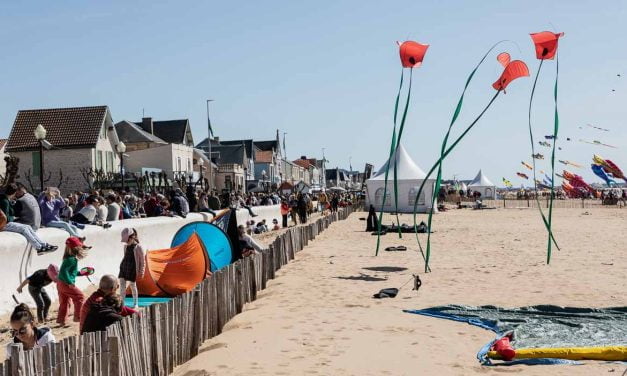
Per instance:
(546,49)
(569,163)
(527,165)
(609,167)
(578,183)
(411,55)
(524,176)
(544,143)
(537,156)
(507,183)
(601,129)
(550,137)
(597,142)
(512,71)
(600,172)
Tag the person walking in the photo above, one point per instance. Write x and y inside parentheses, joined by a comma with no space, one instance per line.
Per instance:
(66,284)
(36,288)
(133,264)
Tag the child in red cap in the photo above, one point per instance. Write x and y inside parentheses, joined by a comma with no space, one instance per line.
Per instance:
(74,251)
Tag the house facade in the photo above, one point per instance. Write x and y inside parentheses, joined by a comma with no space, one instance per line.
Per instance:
(3,166)
(82,139)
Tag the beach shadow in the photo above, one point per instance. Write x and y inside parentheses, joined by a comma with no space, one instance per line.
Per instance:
(363,277)
(385,268)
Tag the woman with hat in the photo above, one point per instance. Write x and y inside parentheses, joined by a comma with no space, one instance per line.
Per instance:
(133,264)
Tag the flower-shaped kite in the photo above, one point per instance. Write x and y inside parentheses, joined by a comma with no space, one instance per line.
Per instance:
(546,44)
(412,53)
(513,70)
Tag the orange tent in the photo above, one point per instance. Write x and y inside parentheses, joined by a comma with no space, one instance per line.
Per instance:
(174,271)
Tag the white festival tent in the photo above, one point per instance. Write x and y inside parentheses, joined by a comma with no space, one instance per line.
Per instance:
(483,185)
(409,179)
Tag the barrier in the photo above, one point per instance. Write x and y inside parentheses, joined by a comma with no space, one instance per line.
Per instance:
(19,260)
(169,334)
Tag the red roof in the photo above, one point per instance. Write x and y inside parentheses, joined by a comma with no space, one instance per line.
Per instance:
(66,127)
(263,156)
(304,163)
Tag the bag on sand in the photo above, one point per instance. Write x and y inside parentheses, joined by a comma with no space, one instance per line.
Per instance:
(386,293)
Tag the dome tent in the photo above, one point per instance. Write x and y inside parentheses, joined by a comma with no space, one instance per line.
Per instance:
(409,179)
(483,185)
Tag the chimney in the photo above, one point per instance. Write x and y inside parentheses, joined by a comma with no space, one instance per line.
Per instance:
(303,157)
(147,125)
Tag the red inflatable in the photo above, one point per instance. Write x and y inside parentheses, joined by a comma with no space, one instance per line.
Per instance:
(504,348)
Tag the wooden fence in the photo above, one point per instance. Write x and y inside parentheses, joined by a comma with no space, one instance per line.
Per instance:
(169,334)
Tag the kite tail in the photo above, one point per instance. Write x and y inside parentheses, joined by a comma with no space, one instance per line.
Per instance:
(398,143)
(556,126)
(387,170)
(438,181)
(437,164)
(533,160)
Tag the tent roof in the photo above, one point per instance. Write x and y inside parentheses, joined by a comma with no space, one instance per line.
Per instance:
(406,168)
(481,181)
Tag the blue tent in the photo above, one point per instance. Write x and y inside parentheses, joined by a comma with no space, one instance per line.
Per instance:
(216,242)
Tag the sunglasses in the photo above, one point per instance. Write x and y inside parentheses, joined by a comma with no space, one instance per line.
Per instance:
(19,332)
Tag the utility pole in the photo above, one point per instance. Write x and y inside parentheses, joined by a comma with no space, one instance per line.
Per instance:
(324,170)
(209,134)
(284,157)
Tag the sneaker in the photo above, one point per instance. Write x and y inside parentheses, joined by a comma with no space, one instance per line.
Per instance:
(47,249)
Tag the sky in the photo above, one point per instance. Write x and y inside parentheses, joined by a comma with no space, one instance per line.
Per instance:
(326,74)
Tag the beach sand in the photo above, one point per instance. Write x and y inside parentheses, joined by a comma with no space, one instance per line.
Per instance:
(318,316)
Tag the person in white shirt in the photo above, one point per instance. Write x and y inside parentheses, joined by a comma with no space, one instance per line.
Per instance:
(102,210)
(113,209)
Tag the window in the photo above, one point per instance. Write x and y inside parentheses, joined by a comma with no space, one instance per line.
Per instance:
(378,197)
(189,165)
(36,166)
(178,163)
(98,159)
(228,182)
(411,199)
(109,161)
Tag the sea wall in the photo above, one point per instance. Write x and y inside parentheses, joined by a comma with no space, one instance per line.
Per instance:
(19,260)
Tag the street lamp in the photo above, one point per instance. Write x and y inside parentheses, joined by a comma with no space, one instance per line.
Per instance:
(121,148)
(200,167)
(40,136)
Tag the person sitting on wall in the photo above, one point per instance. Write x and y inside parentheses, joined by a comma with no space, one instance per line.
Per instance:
(248,245)
(88,214)
(7,222)
(24,331)
(27,208)
(51,204)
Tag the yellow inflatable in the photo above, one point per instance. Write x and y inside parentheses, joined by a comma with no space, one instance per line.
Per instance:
(615,353)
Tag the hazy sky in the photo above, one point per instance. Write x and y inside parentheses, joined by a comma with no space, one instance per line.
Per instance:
(326,72)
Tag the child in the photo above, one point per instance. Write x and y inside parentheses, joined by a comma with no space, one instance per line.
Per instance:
(275,224)
(133,264)
(24,331)
(107,312)
(74,251)
(36,283)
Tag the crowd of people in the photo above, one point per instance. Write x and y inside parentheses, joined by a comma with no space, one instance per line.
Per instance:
(23,213)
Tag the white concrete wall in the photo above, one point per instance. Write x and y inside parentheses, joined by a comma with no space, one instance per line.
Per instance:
(105,256)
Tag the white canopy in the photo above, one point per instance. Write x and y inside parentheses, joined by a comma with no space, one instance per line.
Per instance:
(463,186)
(483,185)
(406,168)
(409,178)
(481,181)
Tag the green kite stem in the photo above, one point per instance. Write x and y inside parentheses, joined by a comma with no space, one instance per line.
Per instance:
(387,170)
(398,143)
(556,125)
(533,160)
(437,164)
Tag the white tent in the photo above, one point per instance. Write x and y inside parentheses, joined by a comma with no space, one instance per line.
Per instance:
(409,178)
(483,185)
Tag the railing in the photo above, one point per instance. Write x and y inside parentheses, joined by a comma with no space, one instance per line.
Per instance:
(167,335)
(513,203)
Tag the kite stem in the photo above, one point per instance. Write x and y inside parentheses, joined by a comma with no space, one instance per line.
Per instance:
(556,124)
(398,143)
(387,170)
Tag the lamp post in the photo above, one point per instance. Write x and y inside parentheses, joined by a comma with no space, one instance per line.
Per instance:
(210,133)
(40,136)
(121,148)
(200,166)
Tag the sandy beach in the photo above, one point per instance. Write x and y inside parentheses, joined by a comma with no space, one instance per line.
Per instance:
(318,316)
